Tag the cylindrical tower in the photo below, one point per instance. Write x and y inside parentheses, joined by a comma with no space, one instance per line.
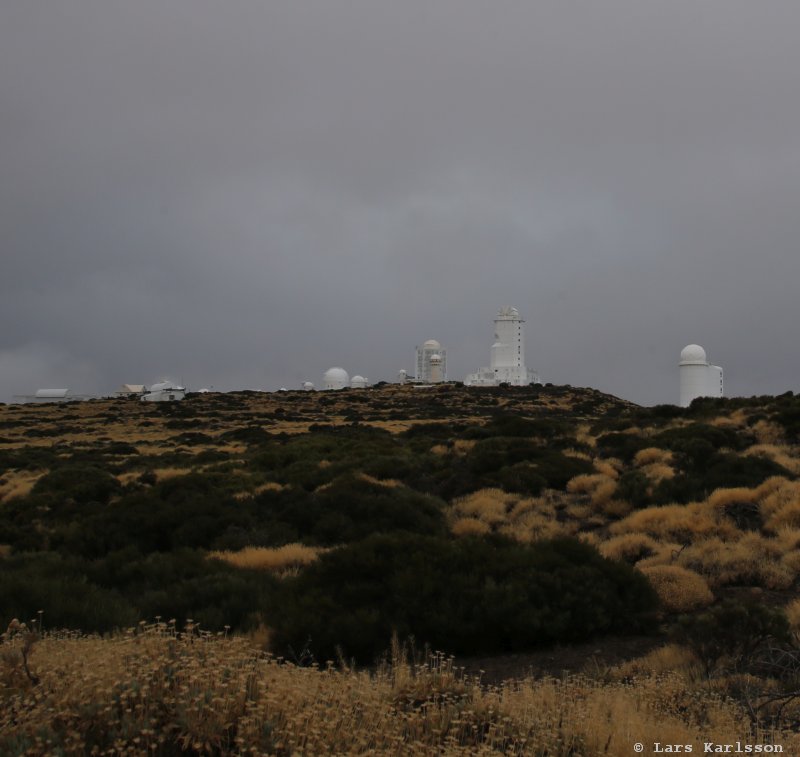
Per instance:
(694,374)
(436,369)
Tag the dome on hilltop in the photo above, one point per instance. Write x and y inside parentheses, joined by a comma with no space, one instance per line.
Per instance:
(693,353)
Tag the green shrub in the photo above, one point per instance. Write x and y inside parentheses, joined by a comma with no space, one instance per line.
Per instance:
(467,596)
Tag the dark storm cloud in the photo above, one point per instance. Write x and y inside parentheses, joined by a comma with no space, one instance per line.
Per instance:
(243,194)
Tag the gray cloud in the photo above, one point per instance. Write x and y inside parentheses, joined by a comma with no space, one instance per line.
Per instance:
(244,194)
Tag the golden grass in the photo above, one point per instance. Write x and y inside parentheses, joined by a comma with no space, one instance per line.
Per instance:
(778,454)
(610,467)
(751,560)
(389,483)
(651,456)
(469,527)
(162,474)
(679,589)
(767,432)
(16,484)
(629,548)
(487,505)
(155,690)
(670,659)
(268,486)
(5,551)
(283,560)
(680,523)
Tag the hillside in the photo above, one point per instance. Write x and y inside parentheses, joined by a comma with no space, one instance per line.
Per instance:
(483,522)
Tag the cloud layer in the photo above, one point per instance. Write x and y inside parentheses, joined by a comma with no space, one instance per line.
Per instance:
(243,194)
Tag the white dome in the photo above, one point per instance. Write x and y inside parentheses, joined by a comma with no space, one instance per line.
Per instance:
(432,344)
(336,378)
(693,353)
(358,382)
(308,386)
(436,358)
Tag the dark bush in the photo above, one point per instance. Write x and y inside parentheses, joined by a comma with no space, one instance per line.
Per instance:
(732,632)
(467,596)
(81,484)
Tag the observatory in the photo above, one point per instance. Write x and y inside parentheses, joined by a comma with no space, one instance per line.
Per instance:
(698,377)
(335,378)
(164,391)
(431,363)
(507,357)
(358,382)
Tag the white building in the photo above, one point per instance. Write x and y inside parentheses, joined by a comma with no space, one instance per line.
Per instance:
(335,378)
(164,391)
(131,390)
(359,382)
(50,395)
(698,377)
(431,351)
(507,357)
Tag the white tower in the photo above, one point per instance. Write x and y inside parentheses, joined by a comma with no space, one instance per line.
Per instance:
(425,353)
(507,357)
(436,374)
(698,377)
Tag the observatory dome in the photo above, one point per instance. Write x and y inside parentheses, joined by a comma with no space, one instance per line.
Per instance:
(336,378)
(436,358)
(693,353)
(358,382)
(432,344)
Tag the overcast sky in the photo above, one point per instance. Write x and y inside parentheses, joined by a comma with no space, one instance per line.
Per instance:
(242,194)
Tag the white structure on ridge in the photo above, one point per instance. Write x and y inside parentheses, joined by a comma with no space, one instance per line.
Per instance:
(507,360)
(164,391)
(698,377)
(308,386)
(358,382)
(50,395)
(431,363)
(335,378)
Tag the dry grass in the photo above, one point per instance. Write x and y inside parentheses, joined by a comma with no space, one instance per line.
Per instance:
(750,561)
(679,589)
(469,527)
(670,659)
(154,691)
(284,560)
(487,505)
(651,456)
(268,486)
(18,483)
(767,432)
(629,548)
(162,474)
(680,523)
(781,455)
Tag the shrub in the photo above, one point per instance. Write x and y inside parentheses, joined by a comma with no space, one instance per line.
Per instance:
(679,589)
(629,547)
(471,595)
(731,632)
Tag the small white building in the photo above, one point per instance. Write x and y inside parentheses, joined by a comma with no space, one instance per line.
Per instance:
(507,356)
(164,391)
(359,382)
(50,395)
(131,390)
(425,356)
(335,378)
(308,386)
(698,378)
